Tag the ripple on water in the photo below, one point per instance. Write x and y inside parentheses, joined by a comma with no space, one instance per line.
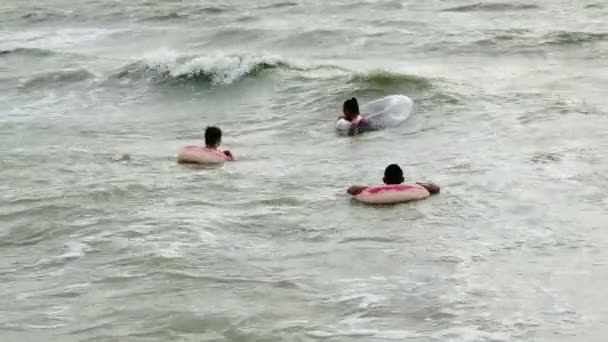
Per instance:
(492,7)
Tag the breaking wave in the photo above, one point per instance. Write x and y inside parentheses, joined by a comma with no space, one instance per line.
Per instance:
(216,70)
(169,67)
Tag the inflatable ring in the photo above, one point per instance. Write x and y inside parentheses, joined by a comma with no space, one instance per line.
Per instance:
(201,155)
(394,193)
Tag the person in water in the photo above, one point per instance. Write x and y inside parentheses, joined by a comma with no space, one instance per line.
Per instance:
(358,124)
(393,175)
(213,139)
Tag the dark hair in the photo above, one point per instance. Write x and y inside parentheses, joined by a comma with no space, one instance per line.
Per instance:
(351,106)
(213,136)
(393,174)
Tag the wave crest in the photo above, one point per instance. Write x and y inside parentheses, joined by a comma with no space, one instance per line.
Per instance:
(216,70)
(171,68)
(388,79)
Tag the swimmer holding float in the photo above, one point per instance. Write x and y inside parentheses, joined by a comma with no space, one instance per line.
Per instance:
(213,139)
(210,154)
(393,190)
(389,111)
(352,117)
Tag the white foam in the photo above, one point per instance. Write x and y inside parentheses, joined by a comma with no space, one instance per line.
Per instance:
(162,58)
(382,334)
(168,250)
(366,300)
(224,69)
(220,68)
(74,250)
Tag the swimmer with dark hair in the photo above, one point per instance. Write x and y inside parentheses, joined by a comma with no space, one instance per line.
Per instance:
(213,139)
(393,175)
(351,113)
(208,154)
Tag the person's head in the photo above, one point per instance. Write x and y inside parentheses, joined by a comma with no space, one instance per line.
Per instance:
(213,136)
(350,109)
(393,174)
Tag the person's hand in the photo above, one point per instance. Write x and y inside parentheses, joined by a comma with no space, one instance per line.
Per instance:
(229,154)
(354,126)
(355,190)
(431,188)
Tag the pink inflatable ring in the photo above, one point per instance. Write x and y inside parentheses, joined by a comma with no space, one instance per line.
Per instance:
(394,193)
(201,155)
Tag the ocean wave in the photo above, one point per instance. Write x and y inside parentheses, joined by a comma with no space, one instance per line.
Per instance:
(573,38)
(501,37)
(211,10)
(391,79)
(39,15)
(167,16)
(525,40)
(56,78)
(492,7)
(225,71)
(33,52)
(182,12)
(169,67)
(34,14)
(278,5)
(216,70)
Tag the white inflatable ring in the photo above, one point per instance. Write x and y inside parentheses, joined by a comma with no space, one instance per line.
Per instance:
(343,125)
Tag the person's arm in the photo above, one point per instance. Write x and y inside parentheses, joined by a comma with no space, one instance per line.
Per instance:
(355,189)
(353,130)
(432,188)
(354,126)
